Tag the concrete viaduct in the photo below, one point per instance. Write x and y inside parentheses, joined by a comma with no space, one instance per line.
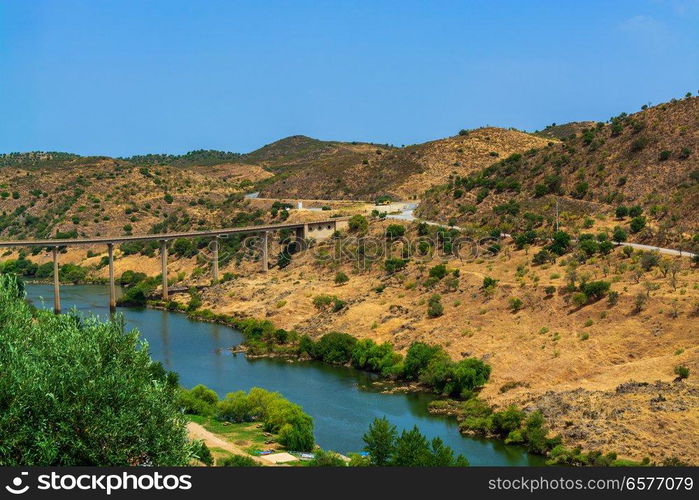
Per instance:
(316,230)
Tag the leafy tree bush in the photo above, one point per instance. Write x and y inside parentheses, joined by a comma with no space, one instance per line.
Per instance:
(277,414)
(543,257)
(380,441)
(410,449)
(649,260)
(323,458)
(358,224)
(515,304)
(417,358)
(394,264)
(237,461)
(341,278)
(334,348)
(489,283)
(635,211)
(379,358)
(560,244)
(439,271)
(394,231)
(637,223)
(681,371)
(595,289)
(619,235)
(434,306)
(78,391)
(621,211)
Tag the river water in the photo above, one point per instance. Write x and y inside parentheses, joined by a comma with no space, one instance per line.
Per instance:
(339,399)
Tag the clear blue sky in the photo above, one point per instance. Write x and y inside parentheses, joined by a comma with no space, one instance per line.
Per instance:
(125,77)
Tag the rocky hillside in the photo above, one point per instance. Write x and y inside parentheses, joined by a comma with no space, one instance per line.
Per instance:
(364,171)
(647,159)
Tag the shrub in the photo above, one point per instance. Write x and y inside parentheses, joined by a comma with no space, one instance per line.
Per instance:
(543,257)
(595,289)
(649,260)
(489,283)
(681,371)
(334,348)
(635,211)
(202,453)
(434,306)
(358,224)
(619,235)
(417,358)
(560,244)
(395,231)
(378,358)
(637,223)
(515,304)
(579,299)
(394,264)
(664,155)
(439,271)
(550,290)
(168,198)
(341,278)
(237,461)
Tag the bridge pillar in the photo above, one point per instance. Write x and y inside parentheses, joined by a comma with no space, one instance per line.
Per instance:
(56,283)
(163,266)
(112,290)
(214,263)
(265,251)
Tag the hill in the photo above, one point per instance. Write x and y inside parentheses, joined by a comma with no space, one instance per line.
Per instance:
(647,159)
(366,171)
(104,196)
(564,130)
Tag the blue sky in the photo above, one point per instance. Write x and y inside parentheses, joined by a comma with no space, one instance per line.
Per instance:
(126,77)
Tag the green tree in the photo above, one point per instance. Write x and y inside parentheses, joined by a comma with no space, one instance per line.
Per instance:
(394,231)
(78,391)
(358,224)
(637,223)
(417,358)
(341,278)
(621,211)
(380,441)
(412,450)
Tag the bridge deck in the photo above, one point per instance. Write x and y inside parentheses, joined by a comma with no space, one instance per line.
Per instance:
(164,236)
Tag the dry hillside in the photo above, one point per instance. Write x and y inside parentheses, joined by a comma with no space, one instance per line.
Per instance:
(403,173)
(104,196)
(647,159)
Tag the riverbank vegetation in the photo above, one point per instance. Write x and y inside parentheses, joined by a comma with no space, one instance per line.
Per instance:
(428,365)
(78,391)
(518,427)
(293,427)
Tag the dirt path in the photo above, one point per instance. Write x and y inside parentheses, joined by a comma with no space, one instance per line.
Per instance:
(198,432)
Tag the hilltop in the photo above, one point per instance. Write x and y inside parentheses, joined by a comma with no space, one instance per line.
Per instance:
(564,130)
(647,159)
